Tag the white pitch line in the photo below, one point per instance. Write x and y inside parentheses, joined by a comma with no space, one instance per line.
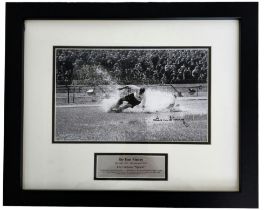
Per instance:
(77,105)
(98,105)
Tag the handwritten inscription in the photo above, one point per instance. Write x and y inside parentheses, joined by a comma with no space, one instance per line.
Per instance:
(170,119)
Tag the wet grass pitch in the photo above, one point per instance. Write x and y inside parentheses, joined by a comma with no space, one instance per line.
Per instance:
(91,123)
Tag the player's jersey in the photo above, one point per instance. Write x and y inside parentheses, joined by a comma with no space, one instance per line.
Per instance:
(138,96)
(136,92)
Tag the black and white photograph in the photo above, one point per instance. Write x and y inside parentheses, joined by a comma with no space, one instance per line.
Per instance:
(131,94)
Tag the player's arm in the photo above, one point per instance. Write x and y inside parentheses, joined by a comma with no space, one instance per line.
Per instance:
(125,87)
(133,87)
(144,101)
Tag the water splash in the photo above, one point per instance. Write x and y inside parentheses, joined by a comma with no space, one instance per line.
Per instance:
(111,90)
(107,103)
(156,101)
(105,76)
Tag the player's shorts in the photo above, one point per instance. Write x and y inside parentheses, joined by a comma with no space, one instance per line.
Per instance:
(132,100)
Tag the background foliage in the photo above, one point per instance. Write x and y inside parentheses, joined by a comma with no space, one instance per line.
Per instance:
(131,66)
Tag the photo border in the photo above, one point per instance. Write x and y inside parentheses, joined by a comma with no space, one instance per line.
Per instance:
(245,12)
(131,142)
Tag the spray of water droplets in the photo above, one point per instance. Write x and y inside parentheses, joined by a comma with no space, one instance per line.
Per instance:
(156,100)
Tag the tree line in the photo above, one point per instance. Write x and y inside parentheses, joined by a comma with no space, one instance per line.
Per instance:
(131,66)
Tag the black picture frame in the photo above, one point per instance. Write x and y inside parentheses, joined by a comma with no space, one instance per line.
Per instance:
(245,12)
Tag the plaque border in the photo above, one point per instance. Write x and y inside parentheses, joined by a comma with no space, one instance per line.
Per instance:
(245,12)
(135,179)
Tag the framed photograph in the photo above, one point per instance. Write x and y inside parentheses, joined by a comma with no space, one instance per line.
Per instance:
(160,93)
(155,101)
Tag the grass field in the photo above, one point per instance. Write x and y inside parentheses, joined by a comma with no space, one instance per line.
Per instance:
(91,123)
